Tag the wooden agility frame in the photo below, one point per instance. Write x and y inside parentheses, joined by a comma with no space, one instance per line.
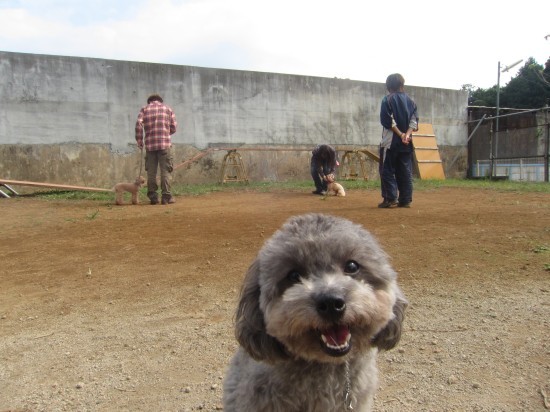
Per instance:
(6,183)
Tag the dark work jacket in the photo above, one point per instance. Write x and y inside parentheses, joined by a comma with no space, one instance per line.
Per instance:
(321,163)
(404,110)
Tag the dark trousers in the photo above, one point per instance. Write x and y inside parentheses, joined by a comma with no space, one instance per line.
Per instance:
(154,160)
(396,175)
(320,184)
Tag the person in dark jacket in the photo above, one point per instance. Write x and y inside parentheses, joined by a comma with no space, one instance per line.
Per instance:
(323,164)
(399,118)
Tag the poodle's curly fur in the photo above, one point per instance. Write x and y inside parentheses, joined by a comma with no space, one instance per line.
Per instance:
(132,188)
(316,305)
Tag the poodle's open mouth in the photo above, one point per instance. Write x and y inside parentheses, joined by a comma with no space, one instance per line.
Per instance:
(336,341)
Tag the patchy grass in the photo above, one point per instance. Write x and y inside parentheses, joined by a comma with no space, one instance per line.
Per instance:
(488,184)
(200,189)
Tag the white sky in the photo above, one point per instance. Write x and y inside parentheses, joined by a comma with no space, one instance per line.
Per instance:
(432,43)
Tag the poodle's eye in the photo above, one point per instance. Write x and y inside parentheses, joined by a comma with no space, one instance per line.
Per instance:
(351,267)
(294,276)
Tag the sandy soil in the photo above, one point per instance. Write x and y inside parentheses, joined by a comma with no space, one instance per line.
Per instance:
(130,308)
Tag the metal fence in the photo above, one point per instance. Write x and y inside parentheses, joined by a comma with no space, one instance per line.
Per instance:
(519,150)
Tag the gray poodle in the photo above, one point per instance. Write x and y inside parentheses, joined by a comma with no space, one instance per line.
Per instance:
(316,305)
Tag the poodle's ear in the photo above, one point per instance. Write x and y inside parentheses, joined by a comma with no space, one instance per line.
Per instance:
(389,337)
(249,324)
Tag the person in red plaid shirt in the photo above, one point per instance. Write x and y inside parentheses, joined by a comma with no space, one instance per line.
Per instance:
(158,121)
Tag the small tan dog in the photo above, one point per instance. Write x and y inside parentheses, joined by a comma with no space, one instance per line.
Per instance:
(334,187)
(132,188)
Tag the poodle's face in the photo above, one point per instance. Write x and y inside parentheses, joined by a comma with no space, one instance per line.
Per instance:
(325,288)
(140,180)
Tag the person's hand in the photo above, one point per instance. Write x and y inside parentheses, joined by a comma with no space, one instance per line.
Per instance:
(406,138)
(140,145)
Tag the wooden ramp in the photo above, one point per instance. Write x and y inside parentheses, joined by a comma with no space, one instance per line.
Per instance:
(6,183)
(426,153)
(372,155)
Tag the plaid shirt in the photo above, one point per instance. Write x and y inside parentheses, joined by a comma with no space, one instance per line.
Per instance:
(159,122)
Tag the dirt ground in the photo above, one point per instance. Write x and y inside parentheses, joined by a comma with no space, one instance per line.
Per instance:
(130,308)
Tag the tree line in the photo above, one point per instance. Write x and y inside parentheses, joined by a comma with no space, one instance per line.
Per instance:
(529,89)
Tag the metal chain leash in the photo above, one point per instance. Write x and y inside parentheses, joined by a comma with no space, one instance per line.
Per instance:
(347,390)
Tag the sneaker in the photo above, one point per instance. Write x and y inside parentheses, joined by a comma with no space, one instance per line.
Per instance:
(387,204)
(407,205)
(167,200)
(154,200)
(319,192)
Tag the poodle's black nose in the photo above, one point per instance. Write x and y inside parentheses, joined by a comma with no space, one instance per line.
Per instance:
(330,307)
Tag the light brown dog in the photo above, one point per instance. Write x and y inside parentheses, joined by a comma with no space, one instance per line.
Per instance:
(334,187)
(132,188)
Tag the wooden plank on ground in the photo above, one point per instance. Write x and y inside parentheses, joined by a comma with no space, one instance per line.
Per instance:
(52,185)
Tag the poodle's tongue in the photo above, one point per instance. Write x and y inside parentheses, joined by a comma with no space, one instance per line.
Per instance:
(336,337)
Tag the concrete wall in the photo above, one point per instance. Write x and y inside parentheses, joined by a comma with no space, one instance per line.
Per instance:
(71,119)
